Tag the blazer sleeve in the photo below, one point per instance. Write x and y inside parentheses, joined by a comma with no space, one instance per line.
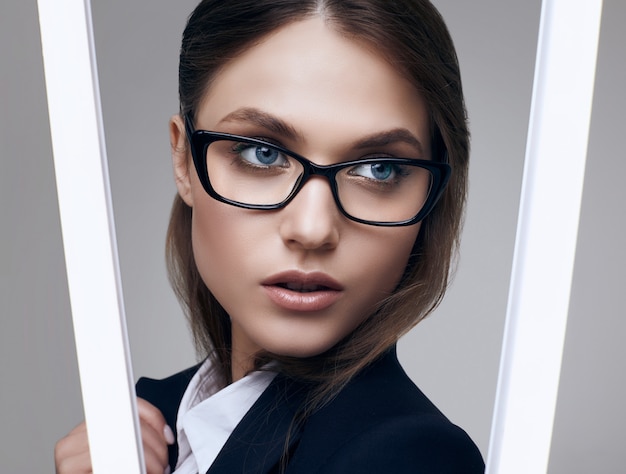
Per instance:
(423,445)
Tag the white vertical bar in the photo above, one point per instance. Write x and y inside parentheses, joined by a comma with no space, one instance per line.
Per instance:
(546,237)
(89,236)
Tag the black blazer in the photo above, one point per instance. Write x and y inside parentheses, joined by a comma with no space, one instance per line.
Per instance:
(379,423)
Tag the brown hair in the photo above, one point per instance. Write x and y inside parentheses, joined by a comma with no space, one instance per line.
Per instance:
(412,36)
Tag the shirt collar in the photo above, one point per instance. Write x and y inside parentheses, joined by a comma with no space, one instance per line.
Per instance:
(208,414)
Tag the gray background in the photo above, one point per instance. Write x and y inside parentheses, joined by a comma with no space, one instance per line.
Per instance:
(453,355)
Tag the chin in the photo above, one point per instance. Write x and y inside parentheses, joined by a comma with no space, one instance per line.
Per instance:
(300,351)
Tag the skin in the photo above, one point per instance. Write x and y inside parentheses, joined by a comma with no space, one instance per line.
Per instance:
(332,94)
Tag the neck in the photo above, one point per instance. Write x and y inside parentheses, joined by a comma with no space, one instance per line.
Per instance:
(243,351)
(241,364)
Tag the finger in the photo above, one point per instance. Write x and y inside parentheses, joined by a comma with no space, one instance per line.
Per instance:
(155,467)
(156,458)
(71,453)
(154,443)
(75,442)
(154,433)
(78,464)
(153,416)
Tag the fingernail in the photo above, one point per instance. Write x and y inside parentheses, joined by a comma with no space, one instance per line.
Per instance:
(167,470)
(169,435)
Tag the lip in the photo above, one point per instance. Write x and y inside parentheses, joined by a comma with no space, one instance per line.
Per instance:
(314,299)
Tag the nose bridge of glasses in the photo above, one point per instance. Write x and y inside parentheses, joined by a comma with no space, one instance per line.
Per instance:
(321,172)
(326,171)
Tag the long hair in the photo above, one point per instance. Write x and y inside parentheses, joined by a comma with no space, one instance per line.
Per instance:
(412,37)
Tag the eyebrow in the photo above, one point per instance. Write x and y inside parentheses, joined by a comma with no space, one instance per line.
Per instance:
(389,137)
(265,120)
(280,127)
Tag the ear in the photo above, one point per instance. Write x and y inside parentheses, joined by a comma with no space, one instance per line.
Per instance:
(180,158)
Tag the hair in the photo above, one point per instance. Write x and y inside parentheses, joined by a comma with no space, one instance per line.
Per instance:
(412,37)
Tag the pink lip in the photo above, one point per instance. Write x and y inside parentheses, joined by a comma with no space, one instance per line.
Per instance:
(315,299)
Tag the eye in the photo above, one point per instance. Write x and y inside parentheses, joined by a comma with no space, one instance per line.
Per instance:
(261,155)
(377,171)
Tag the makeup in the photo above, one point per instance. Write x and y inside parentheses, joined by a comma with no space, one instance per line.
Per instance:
(305,292)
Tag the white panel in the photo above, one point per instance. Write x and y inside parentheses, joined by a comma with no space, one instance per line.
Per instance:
(546,237)
(89,236)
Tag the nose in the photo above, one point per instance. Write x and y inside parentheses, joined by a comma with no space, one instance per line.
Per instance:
(311,220)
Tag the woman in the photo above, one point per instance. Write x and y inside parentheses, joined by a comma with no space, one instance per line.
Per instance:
(320,156)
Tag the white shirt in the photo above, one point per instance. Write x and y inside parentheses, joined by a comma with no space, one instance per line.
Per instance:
(208,414)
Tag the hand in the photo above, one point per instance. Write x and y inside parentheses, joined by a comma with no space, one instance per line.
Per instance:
(71,453)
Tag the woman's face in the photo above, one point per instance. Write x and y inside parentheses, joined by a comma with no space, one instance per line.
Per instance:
(295,281)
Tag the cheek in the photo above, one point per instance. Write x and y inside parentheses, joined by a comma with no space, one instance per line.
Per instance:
(226,242)
(397,264)
(211,238)
(384,260)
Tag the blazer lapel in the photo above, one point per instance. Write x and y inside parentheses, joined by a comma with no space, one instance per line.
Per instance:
(261,438)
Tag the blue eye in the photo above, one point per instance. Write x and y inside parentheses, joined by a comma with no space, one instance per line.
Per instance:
(376,171)
(262,155)
(382,171)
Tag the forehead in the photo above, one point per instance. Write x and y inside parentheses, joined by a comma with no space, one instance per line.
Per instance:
(320,82)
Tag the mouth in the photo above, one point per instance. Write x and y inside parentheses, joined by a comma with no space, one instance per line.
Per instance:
(301,282)
(302,287)
(302,292)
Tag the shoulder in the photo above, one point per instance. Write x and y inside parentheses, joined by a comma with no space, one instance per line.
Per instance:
(424,444)
(381,422)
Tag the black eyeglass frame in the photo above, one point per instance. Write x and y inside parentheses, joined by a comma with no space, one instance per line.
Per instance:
(200,140)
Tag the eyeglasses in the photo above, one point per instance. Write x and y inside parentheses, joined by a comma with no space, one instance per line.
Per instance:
(254,174)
